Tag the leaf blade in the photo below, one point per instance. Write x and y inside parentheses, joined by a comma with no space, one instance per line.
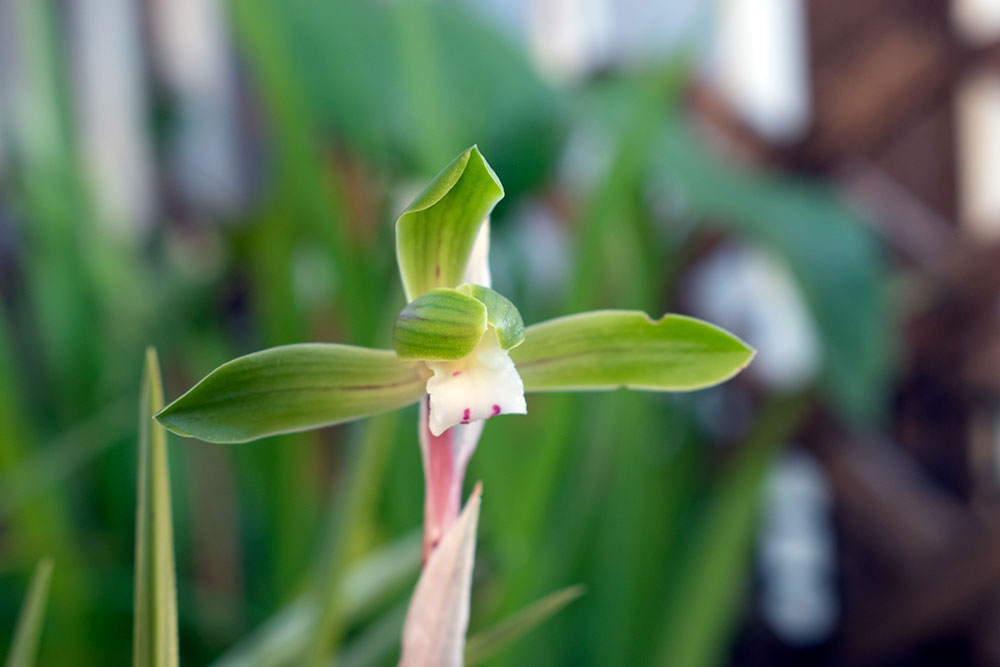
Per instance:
(610,349)
(486,644)
(28,631)
(292,388)
(154,640)
(435,234)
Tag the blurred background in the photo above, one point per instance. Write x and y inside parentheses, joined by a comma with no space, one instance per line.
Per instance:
(818,176)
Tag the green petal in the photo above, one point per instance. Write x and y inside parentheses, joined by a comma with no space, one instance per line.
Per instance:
(500,313)
(608,349)
(443,324)
(434,235)
(293,388)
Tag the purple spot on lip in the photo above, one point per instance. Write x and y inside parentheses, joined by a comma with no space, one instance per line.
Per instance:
(465,416)
(456,374)
(496,411)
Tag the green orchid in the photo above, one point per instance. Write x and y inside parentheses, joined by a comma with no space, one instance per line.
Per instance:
(460,349)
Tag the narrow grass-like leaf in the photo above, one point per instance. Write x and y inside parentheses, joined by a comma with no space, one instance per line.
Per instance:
(500,313)
(434,235)
(608,349)
(442,325)
(154,642)
(28,630)
(292,388)
(702,611)
(484,645)
(367,584)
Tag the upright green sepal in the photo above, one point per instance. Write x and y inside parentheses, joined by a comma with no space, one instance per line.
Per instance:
(500,313)
(293,388)
(435,234)
(609,349)
(442,325)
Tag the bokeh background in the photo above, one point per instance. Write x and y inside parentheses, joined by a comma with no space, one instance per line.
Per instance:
(819,176)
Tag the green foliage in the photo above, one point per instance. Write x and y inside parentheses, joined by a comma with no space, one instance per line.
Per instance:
(484,645)
(292,388)
(356,103)
(435,234)
(28,630)
(155,624)
(609,349)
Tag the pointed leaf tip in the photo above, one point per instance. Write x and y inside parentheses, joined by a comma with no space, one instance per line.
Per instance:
(436,233)
(154,642)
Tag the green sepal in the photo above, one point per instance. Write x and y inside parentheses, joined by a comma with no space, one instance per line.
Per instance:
(609,349)
(435,234)
(442,325)
(293,388)
(500,313)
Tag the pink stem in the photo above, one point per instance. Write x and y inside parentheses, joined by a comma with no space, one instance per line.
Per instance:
(441,488)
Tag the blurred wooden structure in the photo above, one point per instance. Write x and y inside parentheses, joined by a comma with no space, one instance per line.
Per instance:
(918,510)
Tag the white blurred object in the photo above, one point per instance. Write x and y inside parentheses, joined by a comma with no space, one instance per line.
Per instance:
(796,548)
(978,21)
(753,294)
(978,114)
(111,105)
(760,65)
(192,47)
(569,39)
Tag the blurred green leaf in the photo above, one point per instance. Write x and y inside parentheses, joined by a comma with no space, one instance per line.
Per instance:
(484,645)
(58,461)
(701,612)
(28,630)
(435,234)
(155,628)
(441,78)
(443,324)
(292,388)
(367,583)
(609,349)
(500,313)
(826,244)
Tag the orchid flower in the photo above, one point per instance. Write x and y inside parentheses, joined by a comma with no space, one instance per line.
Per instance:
(462,351)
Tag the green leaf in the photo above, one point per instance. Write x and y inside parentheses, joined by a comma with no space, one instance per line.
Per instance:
(434,235)
(154,640)
(703,611)
(28,630)
(443,324)
(608,349)
(293,388)
(484,645)
(500,313)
